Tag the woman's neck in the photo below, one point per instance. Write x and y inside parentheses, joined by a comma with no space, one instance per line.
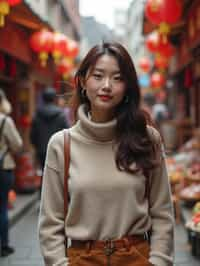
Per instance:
(98,116)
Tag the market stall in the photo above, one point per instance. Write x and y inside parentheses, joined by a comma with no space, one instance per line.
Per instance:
(184,174)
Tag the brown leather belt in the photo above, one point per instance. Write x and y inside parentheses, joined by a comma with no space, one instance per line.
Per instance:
(113,243)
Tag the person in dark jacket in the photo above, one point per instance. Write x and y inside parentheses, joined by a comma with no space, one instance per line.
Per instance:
(48,119)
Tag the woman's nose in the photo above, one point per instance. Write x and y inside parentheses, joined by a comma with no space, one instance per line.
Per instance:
(107,83)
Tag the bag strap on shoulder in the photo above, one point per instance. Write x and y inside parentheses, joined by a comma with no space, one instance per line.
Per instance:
(66,168)
(2,126)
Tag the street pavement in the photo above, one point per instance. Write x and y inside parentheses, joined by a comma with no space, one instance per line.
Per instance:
(23,235)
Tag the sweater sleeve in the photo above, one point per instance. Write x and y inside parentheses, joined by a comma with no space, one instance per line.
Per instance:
(51,218)
(12,135)
(161,211)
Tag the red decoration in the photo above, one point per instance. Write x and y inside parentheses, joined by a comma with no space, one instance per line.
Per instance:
(64,68)
(165,48)
(60,46)
(42,42)
(25,121)
(152,41)
(156,42)
(157,80)
(161,62)
(145,64)
(167,11)
(72,48)
(14,2)
(163,13)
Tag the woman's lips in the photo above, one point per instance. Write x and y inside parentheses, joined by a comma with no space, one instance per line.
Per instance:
(105,97)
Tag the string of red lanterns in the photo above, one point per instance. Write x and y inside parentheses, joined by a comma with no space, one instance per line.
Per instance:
(58,45)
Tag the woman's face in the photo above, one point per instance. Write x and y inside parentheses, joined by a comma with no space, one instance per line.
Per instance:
(105,88)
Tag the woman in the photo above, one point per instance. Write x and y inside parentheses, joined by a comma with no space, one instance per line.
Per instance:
(10,142)
(118,185)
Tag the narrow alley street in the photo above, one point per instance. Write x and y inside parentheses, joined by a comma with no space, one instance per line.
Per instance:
(24,239)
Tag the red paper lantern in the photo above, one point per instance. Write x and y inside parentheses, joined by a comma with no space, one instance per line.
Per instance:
(165,48)
(14,2)
(163,13)
(145,64)
(72,49)
(152,11)
(167,11)
(157,80)
(64,68)
(60,46)
(152,42)
(25,121)
(161,62)
(42,42)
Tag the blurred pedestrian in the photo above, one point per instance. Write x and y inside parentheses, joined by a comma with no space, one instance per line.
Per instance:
(119,202)
(160,112)
(48,119)
(62,103)
(10,142)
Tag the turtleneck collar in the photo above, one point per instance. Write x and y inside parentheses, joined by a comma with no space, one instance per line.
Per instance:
(95,131)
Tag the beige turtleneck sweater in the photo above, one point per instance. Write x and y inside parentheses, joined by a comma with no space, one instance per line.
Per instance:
(104,202)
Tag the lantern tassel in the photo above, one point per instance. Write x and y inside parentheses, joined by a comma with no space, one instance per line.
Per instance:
(4,10)
(65,76)
(57,57)
(164,30)
(43,56)
(2,20)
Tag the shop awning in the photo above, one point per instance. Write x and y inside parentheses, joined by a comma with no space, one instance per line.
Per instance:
(24,15)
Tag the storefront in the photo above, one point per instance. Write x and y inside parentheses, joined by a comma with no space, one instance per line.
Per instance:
(22,78)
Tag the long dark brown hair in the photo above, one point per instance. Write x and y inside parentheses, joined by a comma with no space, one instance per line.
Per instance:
(135,145)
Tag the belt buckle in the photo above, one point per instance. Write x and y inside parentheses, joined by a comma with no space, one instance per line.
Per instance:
(109,247)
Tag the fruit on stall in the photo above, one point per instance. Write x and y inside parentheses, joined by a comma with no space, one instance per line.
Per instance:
(196,208)
(190,193)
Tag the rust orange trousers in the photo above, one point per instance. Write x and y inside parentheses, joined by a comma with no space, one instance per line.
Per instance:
(129,255)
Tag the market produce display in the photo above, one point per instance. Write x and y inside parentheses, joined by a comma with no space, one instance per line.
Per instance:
(184,174)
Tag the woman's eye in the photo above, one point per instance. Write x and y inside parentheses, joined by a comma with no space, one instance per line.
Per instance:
(97,76)
(118,78)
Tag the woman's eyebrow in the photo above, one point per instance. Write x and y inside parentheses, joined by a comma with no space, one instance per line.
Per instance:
(103,70)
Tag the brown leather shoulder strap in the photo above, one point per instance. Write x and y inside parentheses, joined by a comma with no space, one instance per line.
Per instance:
(66,174)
